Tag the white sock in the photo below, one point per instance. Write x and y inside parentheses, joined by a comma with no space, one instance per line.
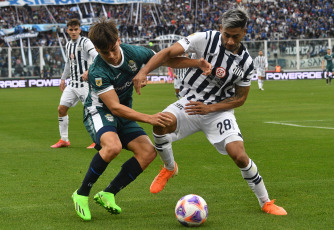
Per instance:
(163,145)
(255,182)
(63,127)
(260,83)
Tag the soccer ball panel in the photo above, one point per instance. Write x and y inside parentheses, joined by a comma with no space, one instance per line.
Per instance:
(191,210)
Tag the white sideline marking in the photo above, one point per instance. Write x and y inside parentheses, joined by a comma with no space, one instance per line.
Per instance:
(295,125)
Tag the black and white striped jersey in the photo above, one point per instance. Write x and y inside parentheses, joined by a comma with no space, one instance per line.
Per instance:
(79,55)
(228,69)
(260,62)
(180,73)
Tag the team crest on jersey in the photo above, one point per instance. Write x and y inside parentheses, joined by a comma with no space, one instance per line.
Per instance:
(109,117)
(220,72)
(98,81)
(133,65)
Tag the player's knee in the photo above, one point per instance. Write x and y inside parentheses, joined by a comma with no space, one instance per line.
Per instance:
(159,130)
(237,152)
(62,110)
(241,160)
(111,150)
(149,155)
(146,156)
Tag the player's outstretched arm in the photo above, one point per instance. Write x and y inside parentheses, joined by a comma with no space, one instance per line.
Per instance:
(170,57)
(111,100)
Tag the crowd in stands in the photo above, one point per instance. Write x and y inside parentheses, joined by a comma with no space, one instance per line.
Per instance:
(270,20)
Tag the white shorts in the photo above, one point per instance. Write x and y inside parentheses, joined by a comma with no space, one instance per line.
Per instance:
(177,83)
(71,96)
(220,128)
(261,72)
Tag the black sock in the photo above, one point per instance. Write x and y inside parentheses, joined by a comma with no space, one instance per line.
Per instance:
(96,168)
(129,172)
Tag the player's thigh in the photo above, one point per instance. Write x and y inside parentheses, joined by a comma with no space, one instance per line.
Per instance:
(261,73)
(185,124)
(82,93)
(218,127)
(69,97)
(143,150)
(98,122)
(110,145)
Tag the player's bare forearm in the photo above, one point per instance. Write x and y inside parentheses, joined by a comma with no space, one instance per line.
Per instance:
(237,100)
(184,62)
(111,100)
(199,108)
(158,119)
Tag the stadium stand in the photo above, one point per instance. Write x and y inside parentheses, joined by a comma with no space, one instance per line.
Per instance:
(277,22)
(270,20)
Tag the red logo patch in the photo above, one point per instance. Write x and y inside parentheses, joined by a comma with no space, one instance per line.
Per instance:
(220,72)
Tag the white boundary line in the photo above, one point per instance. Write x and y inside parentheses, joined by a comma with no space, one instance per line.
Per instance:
(295,125)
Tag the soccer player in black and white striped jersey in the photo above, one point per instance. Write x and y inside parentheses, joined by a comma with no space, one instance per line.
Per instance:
(80,53)
(207,102)
(261,66)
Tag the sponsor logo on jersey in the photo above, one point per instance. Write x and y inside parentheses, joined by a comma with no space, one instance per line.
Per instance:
(238,71)
(98,81)
(133,65)
(178,105)
(220,72)
(187,41)
(109,117)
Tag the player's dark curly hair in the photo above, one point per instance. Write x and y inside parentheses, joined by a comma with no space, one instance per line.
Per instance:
(103,33)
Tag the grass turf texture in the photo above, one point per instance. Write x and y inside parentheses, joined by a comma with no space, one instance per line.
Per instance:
(296,163)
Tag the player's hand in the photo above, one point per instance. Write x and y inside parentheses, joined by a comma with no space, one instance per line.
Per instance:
(85,76)
(205,66)
(139,81)
(196,107)
(161,119)
(62,85)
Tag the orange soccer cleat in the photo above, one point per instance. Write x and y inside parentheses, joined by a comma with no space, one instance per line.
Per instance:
(161,179)
(61,144)
(91,146)
(271,208)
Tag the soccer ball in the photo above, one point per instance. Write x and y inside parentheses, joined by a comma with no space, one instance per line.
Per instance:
(191,210)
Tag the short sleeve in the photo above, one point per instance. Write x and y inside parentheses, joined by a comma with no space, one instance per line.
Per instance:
(195,43)
(100,82)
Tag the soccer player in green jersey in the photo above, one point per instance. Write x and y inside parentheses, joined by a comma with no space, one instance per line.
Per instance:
(110,119)
(329,67)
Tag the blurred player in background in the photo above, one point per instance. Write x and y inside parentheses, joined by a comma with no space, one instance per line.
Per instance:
(110,119)
(178,75)
(80,52)
(261,66)
(329,66)
(207,102)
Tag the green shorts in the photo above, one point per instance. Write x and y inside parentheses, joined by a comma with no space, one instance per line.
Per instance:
(329,68)
(99,121)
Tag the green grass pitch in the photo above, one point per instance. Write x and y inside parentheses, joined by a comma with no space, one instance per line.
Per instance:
(288,131)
